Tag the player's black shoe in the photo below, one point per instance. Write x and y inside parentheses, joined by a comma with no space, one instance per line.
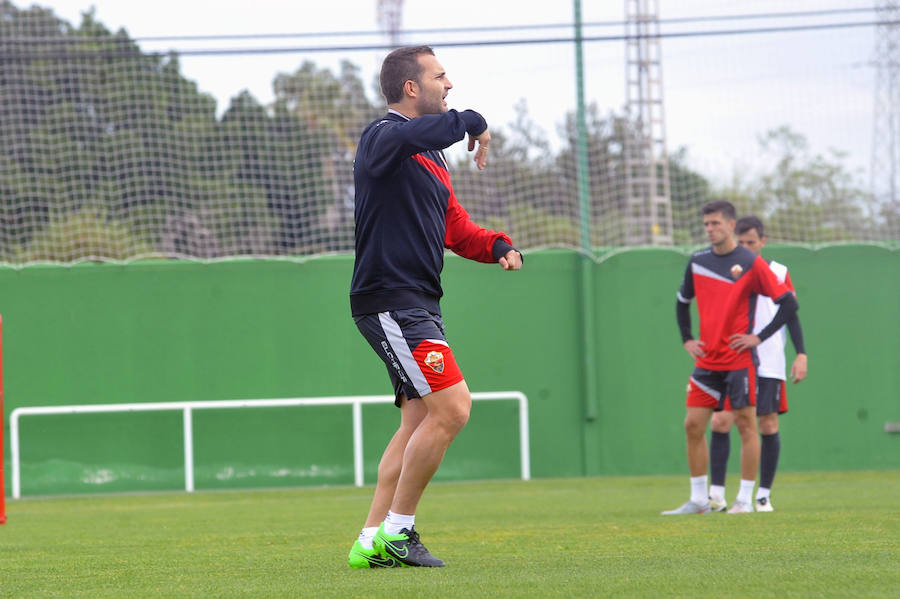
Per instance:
(406,547)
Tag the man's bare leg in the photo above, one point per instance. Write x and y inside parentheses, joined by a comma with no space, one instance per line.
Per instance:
(363,553)
(745,419)
(447,413)
(695,424)
(411,415)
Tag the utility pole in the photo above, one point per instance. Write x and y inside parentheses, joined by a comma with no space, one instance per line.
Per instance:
(390,18)
(648,200)
(886,118)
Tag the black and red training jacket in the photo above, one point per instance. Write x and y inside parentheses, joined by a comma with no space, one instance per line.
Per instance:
(407,213)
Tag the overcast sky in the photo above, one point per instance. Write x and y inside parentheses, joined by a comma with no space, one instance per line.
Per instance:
(720,92)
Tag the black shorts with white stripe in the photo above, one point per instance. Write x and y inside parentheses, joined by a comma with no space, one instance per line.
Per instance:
(412,345)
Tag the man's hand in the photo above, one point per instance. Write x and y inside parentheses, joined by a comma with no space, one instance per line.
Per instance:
(694,348)
(798,368)
(511,261)
(739,342)
(481,155)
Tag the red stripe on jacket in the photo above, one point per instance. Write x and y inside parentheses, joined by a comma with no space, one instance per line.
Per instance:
(463,236)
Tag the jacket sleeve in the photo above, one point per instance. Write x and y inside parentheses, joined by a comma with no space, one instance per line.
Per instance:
(391,141)
(470,240)
(793,325)
(683,304)
(787,309)
(777,287)
(683,318)
(768,283)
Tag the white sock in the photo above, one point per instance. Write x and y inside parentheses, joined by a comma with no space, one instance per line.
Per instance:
(745,495)
(762,492)
(365,537)
(698,489)
(394,523)
(717,492)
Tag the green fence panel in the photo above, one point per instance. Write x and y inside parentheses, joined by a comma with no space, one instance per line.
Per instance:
(246,329)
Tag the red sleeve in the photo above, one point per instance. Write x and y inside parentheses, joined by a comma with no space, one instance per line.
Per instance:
(789,283)
(767,282)
(468,239)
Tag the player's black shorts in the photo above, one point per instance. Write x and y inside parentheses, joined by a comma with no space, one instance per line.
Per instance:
(771,396)
(722,389)
(412,345)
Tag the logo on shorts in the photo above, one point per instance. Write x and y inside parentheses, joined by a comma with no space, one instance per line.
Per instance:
(390,356)
(435,361)
(736,271)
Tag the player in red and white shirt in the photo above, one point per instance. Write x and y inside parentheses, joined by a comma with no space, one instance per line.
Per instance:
(723,278)
(771,395)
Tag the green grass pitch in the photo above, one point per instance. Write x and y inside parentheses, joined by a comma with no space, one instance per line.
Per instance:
(832,535)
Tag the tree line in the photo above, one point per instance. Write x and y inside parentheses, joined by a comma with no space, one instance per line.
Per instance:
(108,152)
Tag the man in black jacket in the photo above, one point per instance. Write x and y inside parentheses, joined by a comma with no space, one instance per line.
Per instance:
(406,214)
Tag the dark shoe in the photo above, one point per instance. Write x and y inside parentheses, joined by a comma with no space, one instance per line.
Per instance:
(406,547)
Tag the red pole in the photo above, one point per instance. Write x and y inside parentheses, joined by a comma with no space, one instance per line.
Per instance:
(2,490)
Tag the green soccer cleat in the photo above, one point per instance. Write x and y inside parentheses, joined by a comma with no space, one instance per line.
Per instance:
(360,557)
(406,547)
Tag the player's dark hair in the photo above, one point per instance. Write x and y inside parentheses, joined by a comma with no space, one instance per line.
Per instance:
(723,207)
(400,66)
(747,223)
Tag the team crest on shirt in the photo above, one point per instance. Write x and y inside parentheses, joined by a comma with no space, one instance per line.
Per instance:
(736,271)
(435,361)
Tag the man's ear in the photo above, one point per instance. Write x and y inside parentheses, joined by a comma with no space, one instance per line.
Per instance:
(411,88)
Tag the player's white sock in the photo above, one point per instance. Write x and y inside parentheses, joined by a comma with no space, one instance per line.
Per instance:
(698,489)
(717,492)
(745,494)
(762,492)
(394,523)
(366,536)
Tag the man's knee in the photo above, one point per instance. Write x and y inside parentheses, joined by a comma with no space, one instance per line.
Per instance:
(768,424)
(722,421)
(745,419)
(459,410)
(458,420)
(451,407)
(695,424)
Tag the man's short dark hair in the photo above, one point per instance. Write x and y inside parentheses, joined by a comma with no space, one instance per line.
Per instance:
(748,223)
(400,66)
(723,207)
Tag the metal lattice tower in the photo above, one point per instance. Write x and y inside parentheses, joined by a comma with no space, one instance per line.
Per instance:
(886,121)
(390,17)
(648,200)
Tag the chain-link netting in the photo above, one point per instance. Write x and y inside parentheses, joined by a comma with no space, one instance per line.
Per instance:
(108,152)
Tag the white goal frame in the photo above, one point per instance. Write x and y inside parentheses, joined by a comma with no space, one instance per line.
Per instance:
(187,408)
